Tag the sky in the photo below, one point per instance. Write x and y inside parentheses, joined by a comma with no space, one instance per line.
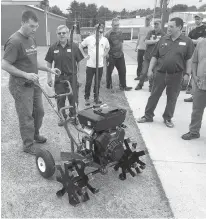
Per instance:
(118,5)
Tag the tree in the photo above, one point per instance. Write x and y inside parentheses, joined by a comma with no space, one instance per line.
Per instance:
(56,10)
(43,4)
(192,8)
(179,8)
(202,8)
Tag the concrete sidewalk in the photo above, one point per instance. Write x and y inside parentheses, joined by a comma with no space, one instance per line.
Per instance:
(181,165)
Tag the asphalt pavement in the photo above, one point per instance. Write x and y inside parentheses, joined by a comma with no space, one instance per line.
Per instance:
(25,194)
(180,164)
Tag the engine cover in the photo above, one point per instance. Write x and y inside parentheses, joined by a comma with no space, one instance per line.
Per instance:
(108,146)
(102,119)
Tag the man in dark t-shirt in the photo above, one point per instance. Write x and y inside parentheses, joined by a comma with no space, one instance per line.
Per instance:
(20,61)
(116,56)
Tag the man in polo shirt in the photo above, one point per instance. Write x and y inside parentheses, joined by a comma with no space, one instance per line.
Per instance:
(151,40)
(199,97)
(60,54)
(90,43)
(141,45)
(116,56)
(172,53)
(197,34)
(20,61)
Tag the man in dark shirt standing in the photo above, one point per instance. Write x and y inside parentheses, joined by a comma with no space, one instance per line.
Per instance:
(151,40)
(20,61)
(197,34)
(172,53)
(60,54)
(116,56)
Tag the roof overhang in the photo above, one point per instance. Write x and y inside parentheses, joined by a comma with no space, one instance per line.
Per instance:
(22,2)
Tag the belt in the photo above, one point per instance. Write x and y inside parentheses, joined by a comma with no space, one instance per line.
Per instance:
(170,73)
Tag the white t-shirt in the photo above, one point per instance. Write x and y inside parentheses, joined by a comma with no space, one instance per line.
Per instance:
(143,31)
(90,42)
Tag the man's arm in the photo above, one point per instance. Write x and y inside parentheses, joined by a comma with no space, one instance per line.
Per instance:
(49,77)
(7,66)
(137,44)
(81,48)
(152,64)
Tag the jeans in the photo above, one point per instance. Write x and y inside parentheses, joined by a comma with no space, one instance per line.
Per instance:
(140,59)
(61,88)
(29,108)
(90,73)
(143,76)
(199,104)
(119,63)
(172,83)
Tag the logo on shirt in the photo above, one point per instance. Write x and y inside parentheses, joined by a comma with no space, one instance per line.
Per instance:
(32,50)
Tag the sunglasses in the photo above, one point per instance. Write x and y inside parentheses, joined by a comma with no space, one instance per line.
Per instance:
(63,33)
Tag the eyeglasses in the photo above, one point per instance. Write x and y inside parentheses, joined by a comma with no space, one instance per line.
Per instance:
(63,33)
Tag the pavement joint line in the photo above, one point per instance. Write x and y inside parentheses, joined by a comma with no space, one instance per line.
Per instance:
(175,161)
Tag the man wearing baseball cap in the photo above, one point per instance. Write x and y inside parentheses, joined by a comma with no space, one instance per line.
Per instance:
(197,34)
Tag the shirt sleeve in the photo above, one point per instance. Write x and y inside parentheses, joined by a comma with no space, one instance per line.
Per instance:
(107,46)
(190,50)
(50,55)
(10,53)
(84,43)
(78,54)
(148,35)
(195,54)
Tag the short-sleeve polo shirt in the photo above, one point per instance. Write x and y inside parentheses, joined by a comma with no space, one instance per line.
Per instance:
(62,57)
(172,55)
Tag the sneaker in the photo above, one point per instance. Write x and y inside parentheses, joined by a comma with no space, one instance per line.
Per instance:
(30,150)
(169,123)
(190,136)
(138,87)
(143,119)
(87,102)
(188,100)
(40,139)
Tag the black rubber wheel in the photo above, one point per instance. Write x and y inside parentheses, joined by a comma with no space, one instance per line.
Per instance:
(45,163)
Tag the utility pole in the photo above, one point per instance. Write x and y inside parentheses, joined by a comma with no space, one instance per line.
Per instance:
(164,14)
(46,13)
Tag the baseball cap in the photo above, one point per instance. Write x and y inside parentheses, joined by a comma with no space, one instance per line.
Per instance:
(200,15)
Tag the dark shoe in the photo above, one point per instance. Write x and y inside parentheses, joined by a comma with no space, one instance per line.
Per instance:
(138,87)
(137,78)
(60,123)
(189,100)
(40,139)
(97,101)
(30,150)
(169,123)
(125,88)
(143,119)
(109,86)
(190,136)
(188,91)
(87,102)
